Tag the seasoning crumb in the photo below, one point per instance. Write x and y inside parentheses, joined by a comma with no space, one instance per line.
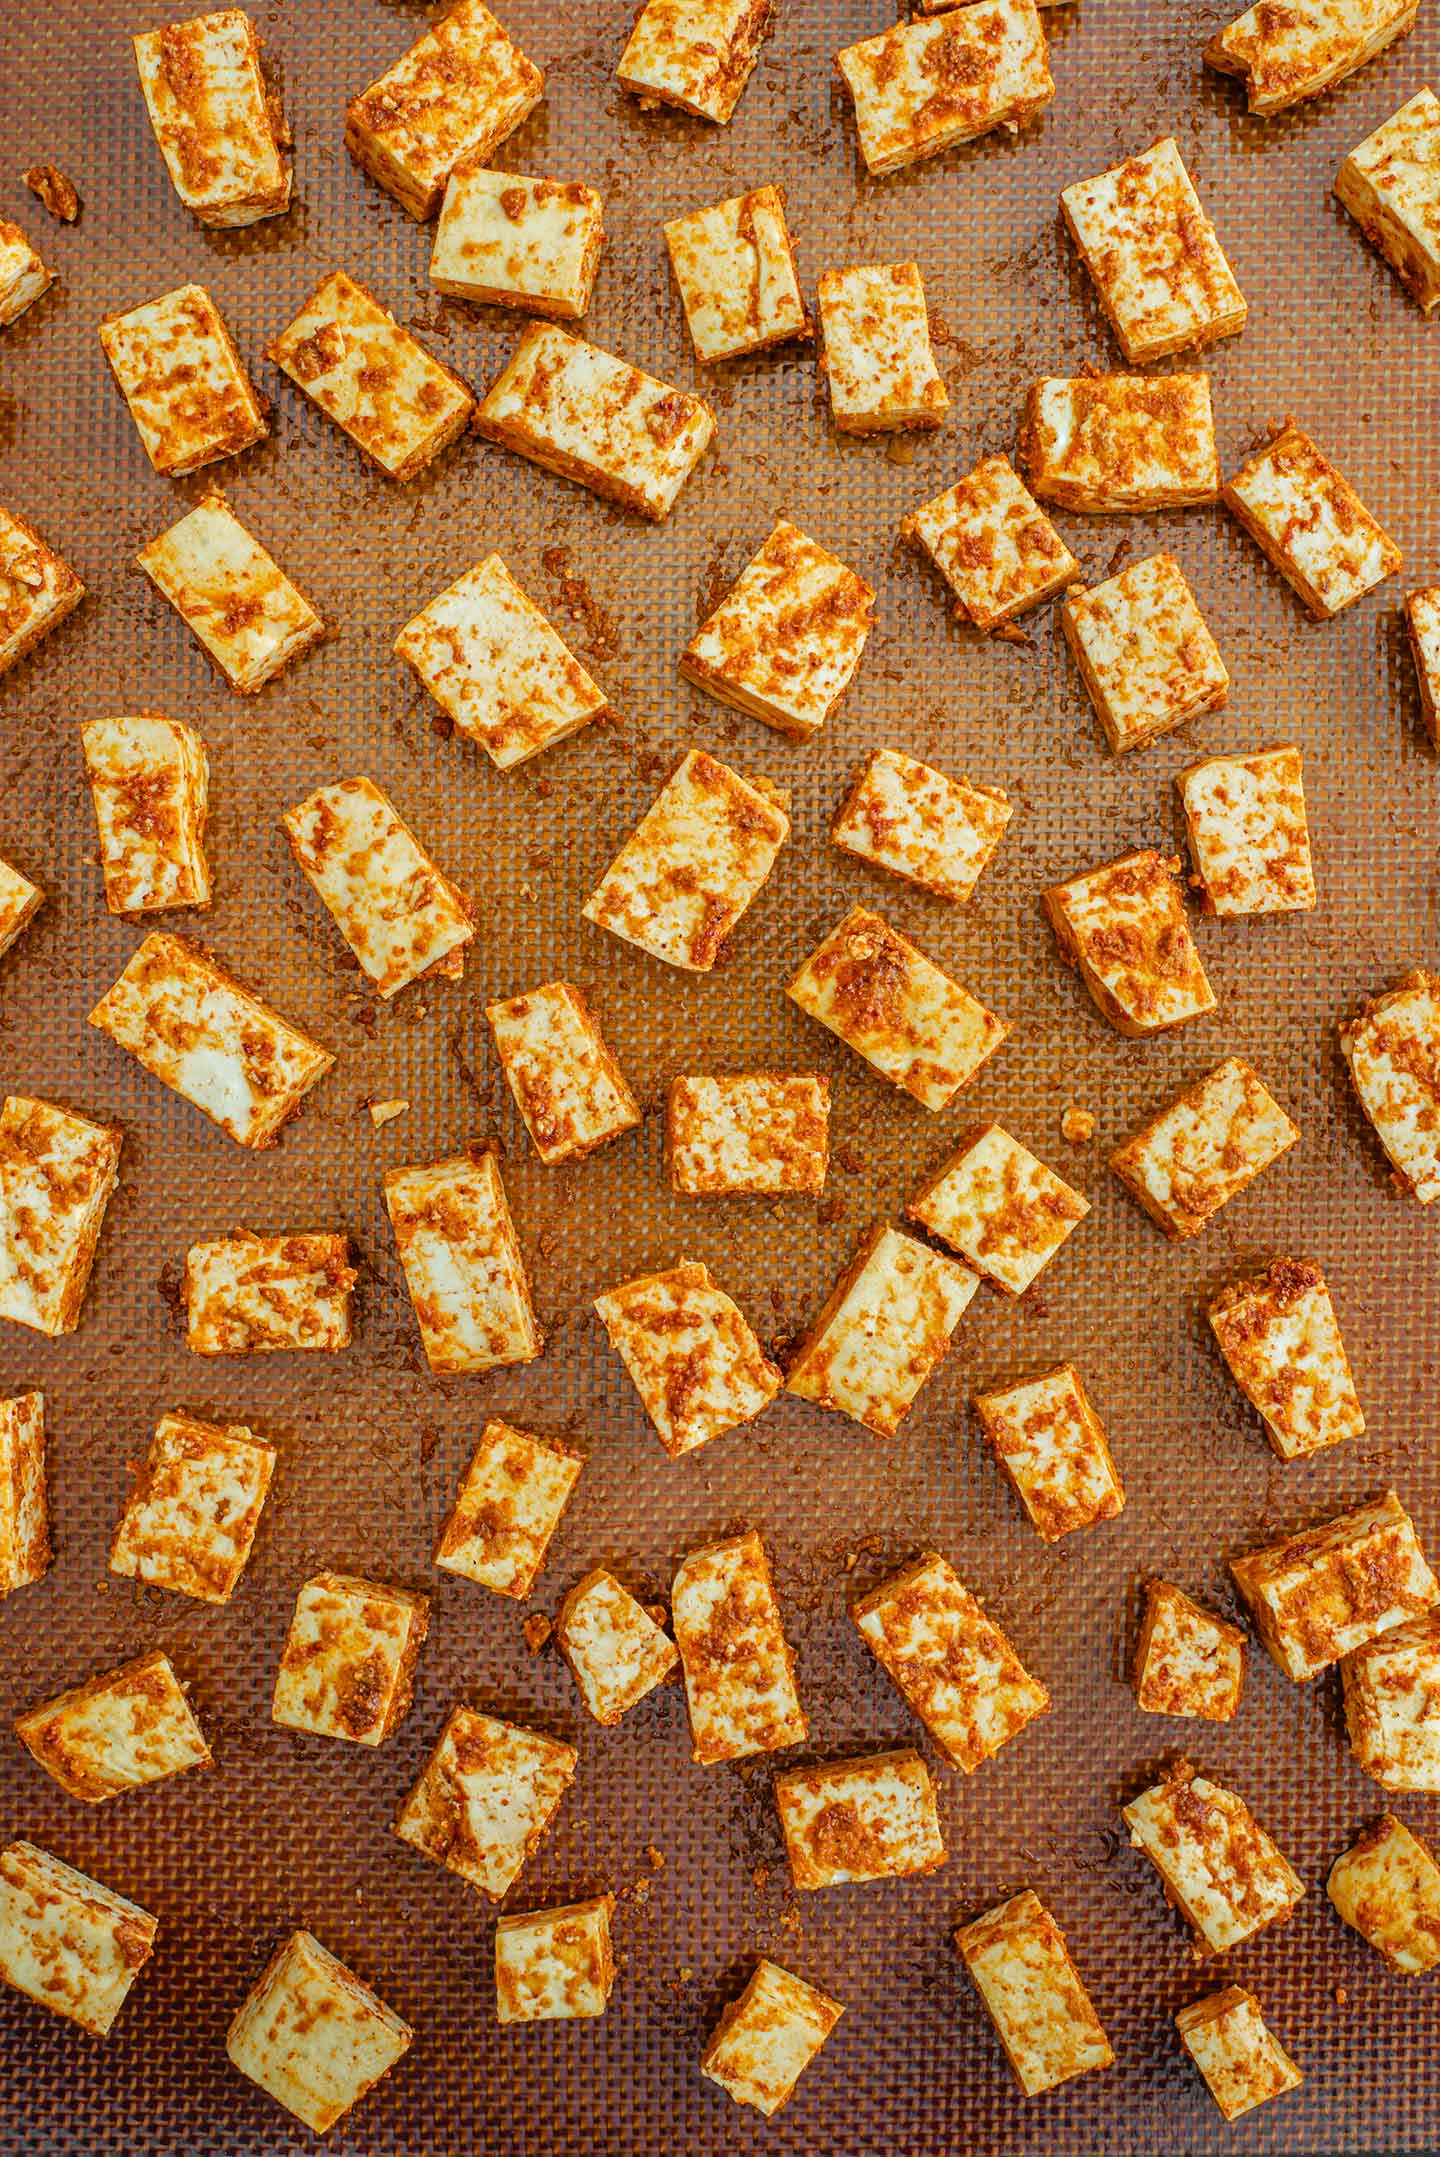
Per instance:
(537,1630)
(385,1111)
(1078,1126)
(790,1919)
(761,1878)
(656,1857)
(54,190)
(1341,1995)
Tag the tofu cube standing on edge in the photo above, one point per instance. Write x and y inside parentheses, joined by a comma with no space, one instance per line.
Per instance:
(20,901)
(25,1552)
(696,1365)
(348,1667)
(215,118)
(183,380)
(1392,1705)
(747,1133)
(1124,929)
(877,359)
(1392,1048)
(921,86)
(37,589)
(462,1263)
(568,1087)
(1053,1449)
(765,2040)
(1212,1140)
(1288,54)
(697,54)
(1319,1595)
(1422,621)
(554,1965)
(1159,270)
(1005,1213)
(248,1295)
(735,266)
(232,594)
(189,1523)
(150,786)
(1227,2038)
(1310,524)
(1390,184)
(1387,1886)
(854,1820)
(1043,2016)
(738,1665)
(66,1941)
(886,1324)
(929,830)
(507,1508)
(118,1731)
(1187,1661)
(485,1798)
(616,1651)
(1249,835)
(505,240)
(1279,1334)
(1146,658)
(57,1171)
(993,544)
(1217,1864)
(312,2036)
(1120,443)
(23,276)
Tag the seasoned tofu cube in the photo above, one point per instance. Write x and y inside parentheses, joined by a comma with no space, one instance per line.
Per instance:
(1146,658)
(402,917)
(1392,1705)
(853,1820)
(697,54)
(1004,1212)
(37,589)
(696,1365)
(248,1295)
(930,830)
(117,1731)
(738,1666)
(921,86)
(1217,1864)
(1159,270)
(1043,2016)
(216,119)
(1116,443)
(785,641)
(1322,1594)
(232,594)
(150,786)
(505,240)
(186,385)
(753,1132)
(1054,1451)
(66,1941)
(993,544)
(1387,1885)
(1123,928)
(596,419)
(453,98)
(23,276)
(1390,184)
(485,1798)
(1249,835)
(616,1651)
(25,1551)
(1422,621)
(1279,1334)
(462,1262)
(735,266)
(765,2040)
(349,1662)
(1284,55)
(189,1523)
(1243,2065)
(886,1324)
(507,1508)
(876,350)
(1392,1047)
(57,1171)
(1310,524)
(554,1965)
(313,2036)
(567,1086)
(1187,1661)
(20,901)
(1212,1140)
(955,1668)
(693,863)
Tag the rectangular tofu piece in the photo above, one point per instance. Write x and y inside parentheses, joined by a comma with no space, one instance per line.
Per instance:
(506,240)
(312,2036)
(554,1965)
(348,1666)
(150,788)
(1387,1886)
(402,917)
(1053,1449)
(1019,1961)
(485,1798)
(507,1508)
(1392,1705)
(1249,834)
(1310,524)
(189,1523)
(695,54)
(876,354)
(765,2040)
(747,1133)
(993,544)
(117,1731)
(1201,1150)
(57,1171)
(696,1365)
(462,1263)
(786,639)
(1284,55)
(25,1551)
(453,98)
(1187,1661)
(853,1820)
(955,1668)
(248,1295)
(886,1324)
(1279,1334)
(1120,443)
(1322,1594)
(1422,621)
(1124,929)
(232,594)
(215,118)
(1145,655)
(568,1087)
(738,1665)
(1005,1213)
(616,1650)
(929,830)
(596,419)
(66,1941)
(186,385)
(1227,2038)
(1218,1866)
(37,589)
(734,264)
(23,276)
(921,86)
(1392,1048)
(1390,184)
(1159,270)
(20,901)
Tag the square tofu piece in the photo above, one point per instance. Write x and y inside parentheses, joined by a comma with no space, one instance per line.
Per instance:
(1279,1334)
(1053,1449)
(1032,1992)
(185,383)
(37,589)
(20,901)
(507,1508)
(248,1295)
(400,916)
(23,276)
(693,863)
(1146,658)
(1387,1885)
(189,1523)
(504,240)
(616,1651)
(925,828)
(1392,1047)
(739,1670)
(312,2036)
(1310,524)
(57,1171)
(921,86)
(1205,1147)
(567,1085)
(697,54)
(1003,1211)
(955,1668)
(232,594)
(66,1941)
(1392,1705)
(150,787)
(867,1819)
(786,639)
(1218,1866)
(760,1131)
(215,118)
(1225,2035)
(886,1324)
(735,267)
(993,544)
(767,2038)
(396,401)
(25,1552)
(1160,271)
(1390,185)
(1187,1661)
(486,1796)
(349,1661)
(1284,55)
(1249,835)
(596,419)
(1124,929)
(1116,443)
(1324,1593)
(696,1365)
(554,1965)
(462,1262)
(1422,620)
(876,350)
(117,1731)
(454,97)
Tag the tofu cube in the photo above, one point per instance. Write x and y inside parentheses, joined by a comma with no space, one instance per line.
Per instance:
(23,276)
(877,358)
(66,1941)
(696,54)
(554,1965)
(232,594)
(693,864)
(313,2036)
(189,1523)
(1422,621)
(248,1295)
(1249,835)
(765,2040)
(696,1365)
(25,1551)
(37,589)
(186,385)
(507,1508)
(568,1087)
(921,86)
(349,1663)
(1322,1594)
(855,1820)
(505,240)
(462,1263)
(738,1666)
(1279,1334)
(1120,443)
(1387,1885)
(1146,658)
(1310,524)
(215,118)
(735,267)
(1392,1048)
(1187,1661)
(1243,2065)
(955,1668)
(1159,270)
(1390,184)
(1288,54)
(1031,1990)
(1217,1864)
(785,641)
(1053,1449)
(1004,1212)
(1392,1705)
(616,1651)
(150,787)
(746,1134)
(886,1324)
(1212,1140)
(993,544)
(1123,928)
(486,1796)
(118,1731)
(57,1171)
(20,901)
(932,831)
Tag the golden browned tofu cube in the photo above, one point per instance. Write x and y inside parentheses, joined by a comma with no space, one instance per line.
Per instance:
(877,359)
(1243,2065)
(1159,270)
(554,1965)
(885,1325)
(186,385)
(23,276)
(1286,54)
(786,639)
(1249,835)
(57,1171)
(765,2040)
(1006,1213)
(1279,1334)
(735,267)
(1217,1864)
(747,1133)
(486,1796)
(248,1295)
(232,594)
(567,1085)
(1310,524)
(37,589)
(616,1651)
(1146,658)
(1390,184)
(349,1663)
(921,86)
(216,119)
(1392,1705)
(738,1666)
(929,830)
(993,544)
(150,788)
(1422,621)
(66,1941)
(1054,1451)
(1387,1885)
(1032,1992)
(855,1820)
(1113,444)
(117,1731)
(505,240)
(1392,1047)
(507,1508)
(1187,1661)
(400,915)
(1325,1592)
(1124,929)
(190,1521)
(312,2036)
(1211,1141)
(462,1262)
(697,54)
(20,901)
(25,1551)
(696,1365)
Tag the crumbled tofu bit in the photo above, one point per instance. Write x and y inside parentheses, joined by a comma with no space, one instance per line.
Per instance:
(1146,658)
(1159,270)
(739,1669)
(25,1551)
(1211,1141)
(1077,1126)
(1054,1451)
(695,1363)
(23,276)
(1219,1867)
(463,1265)
(1279,1334)
(993,544)
(878,362)
(232,594)
(567,1085)
(1390,184)
(1187,1661)
(66,1941)
(1319,1595)
(399,914)
(52,187)
(1310,524)
(215,118)
(887,1323)
(1422,621)
(507,1508)
(117,1731)
(1387,1885)
(1124,929)
(766,2039)
(1392,1047)
(697,54)
(936,832)
(751,1132)
(1043,2016)
(1392,1705)
(1284,55)
(921,86)
(1003,1211)
(150,786)
(37,588)
(349,1660)
(1243,2065)
(536,1632)
(312,2036)
(505,240)
(554,1965)
(867,1819)
(616,1651)
(735,267)
(1111,444)
(183,380)
(1249,835)
(383,1112)
(20,901)
(485,1798)
(57,1171)
(785,641)
(249,1295)
(190,1521)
